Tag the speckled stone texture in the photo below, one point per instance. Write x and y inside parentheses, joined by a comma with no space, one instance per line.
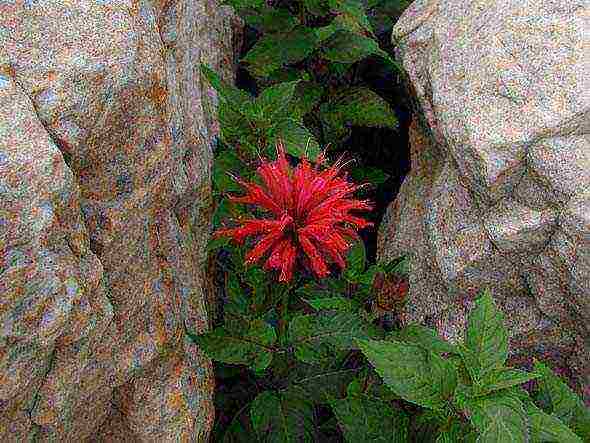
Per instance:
(499,191)
(106,135)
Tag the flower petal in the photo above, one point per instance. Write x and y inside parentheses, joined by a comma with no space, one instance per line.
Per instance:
(317,262)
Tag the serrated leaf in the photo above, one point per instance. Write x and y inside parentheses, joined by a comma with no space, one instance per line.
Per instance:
(216,243)
(504,378)
(324,32)
(227,346)
(354,388)
(244,4)
(498,418)
(235,126)
(398,267)
(369,174)
(356,106)
(414,374)
(319,388)
(351,16)
(564,403)
(425,426)
(347,47)
(308,95)
(338,303)
(270,19)
(238,302)
(367,419)
(275,102)
(317,7)
(297,139)
(235,98)
(226,161)
(275,50)
(424,337)
(282,418)
(548,428)
(237,432)
(310,334)
(486,338)
(455,433)
(356,261)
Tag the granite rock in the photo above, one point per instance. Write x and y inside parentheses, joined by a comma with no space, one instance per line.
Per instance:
(106,136)
(498,195)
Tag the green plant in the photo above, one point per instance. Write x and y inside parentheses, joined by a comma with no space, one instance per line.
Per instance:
(466,393)
(315,359)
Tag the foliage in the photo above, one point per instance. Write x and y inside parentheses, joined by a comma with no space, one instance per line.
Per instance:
(469,384)
(316,359)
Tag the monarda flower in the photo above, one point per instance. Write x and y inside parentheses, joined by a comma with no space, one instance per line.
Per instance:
(310,216)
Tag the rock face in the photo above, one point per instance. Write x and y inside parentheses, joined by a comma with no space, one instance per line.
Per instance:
(106,134)
(499,191)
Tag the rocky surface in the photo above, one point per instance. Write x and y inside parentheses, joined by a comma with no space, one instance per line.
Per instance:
(106,134)
(499,191)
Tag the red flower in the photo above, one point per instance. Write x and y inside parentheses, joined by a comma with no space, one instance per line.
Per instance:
(311,216)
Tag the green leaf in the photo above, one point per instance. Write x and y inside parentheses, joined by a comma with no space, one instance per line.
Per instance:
(356,106)
(238,302)
(216,243)
(235,127)
(355,388)
(307,333)
(237,432)
(307,96)
(426,425)
(226,161)
(226,346)
(244,4)
(282,418)
(498,418)
(275,102)
(275,50)
(367,419)
(369,174)
(548,428)
(224,210)
(455,433)
(338,303)
(504,378)
(346,47)
(414,374)
(356,261)
(564,403)
(424,337)
(316,7)
(398,267)
(351,16)
(486,338)
(236,98)
(324,32)
(270,19)
(298,141)
(319,388)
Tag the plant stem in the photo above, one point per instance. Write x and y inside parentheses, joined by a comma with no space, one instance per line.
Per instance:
(284,309)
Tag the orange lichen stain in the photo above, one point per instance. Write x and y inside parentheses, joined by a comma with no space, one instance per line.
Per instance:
(46,418)
(8,71)
(178,367)
(51,76)
(176,400)
(158,94)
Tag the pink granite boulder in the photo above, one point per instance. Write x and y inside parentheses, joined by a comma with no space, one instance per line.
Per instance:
(106,141)
(499,191)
